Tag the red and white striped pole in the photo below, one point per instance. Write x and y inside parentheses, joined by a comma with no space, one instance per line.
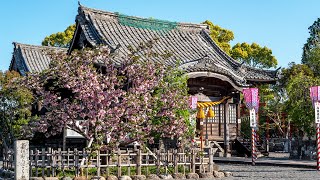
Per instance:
(315,98)
(251,97)
(253,125)
(253,147)
(318,146)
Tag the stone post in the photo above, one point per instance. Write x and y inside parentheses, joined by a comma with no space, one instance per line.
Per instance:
(21,154)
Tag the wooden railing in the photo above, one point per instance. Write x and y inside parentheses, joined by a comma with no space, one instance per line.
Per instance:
(49,162)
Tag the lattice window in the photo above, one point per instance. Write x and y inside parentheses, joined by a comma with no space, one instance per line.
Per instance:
(216,112)
(217,115)
(221,113)
(232,113)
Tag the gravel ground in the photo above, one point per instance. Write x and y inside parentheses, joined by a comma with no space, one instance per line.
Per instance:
(243,171)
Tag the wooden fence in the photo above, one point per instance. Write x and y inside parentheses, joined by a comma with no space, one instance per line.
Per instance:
(51,162)
(7,159)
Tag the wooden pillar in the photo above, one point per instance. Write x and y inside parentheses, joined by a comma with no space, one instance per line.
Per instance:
(119,162)
(237,119)
(211,124)
(201,133)
(206,138)
(193,161)
(175,160)
(138,162)
(64,140)
(267,134)
(226,129)
(219,119)
(258,122)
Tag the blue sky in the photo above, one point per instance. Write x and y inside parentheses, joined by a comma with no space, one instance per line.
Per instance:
(281,25)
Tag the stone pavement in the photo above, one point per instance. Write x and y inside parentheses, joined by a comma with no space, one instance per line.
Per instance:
(273,160)
(260,172)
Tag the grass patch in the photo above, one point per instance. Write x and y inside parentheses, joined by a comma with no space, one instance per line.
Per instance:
(107,171)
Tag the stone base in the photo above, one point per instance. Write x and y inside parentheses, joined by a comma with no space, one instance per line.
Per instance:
(228,155)
(35,178)
(192,176)
(138,177)
(218,174)
(178,176)
(206,175)
(215,167)
(80,178)
(98,178)
(125,178)
(227,174)
(153,177)
(112,177)
(165,176)
(66,178)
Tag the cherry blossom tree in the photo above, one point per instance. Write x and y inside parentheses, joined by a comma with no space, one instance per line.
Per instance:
(100,95)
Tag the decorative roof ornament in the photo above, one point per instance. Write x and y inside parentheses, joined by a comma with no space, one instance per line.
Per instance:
(206,60)
(242,68)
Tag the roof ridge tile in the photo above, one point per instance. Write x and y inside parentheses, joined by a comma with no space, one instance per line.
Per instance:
(16,44)
(116,15)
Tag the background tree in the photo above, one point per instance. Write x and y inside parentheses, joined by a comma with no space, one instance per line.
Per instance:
(15,107)
(254,55)
(313,40)
(296,80)
(131,100)
(60,39)
(221,36)
(261,57)
(312,60)
(311,50)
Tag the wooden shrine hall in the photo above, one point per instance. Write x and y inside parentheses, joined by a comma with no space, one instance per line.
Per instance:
(214,77)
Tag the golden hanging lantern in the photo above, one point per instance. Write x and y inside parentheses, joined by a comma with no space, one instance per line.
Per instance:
(210,113)
(200,114)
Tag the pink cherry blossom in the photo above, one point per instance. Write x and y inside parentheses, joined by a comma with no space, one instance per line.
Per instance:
(111,100)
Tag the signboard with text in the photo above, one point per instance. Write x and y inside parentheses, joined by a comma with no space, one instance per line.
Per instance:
(253,121)
(317,111)
(193,102)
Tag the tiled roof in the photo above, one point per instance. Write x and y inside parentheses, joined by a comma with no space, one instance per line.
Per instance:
(31,58)
(188,43)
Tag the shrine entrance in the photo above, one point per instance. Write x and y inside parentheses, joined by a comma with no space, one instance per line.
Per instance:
(217,116)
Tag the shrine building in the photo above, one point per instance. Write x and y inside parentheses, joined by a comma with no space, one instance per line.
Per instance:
(214,77)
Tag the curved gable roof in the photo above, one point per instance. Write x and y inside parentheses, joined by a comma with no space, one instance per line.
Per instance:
(31,58)
(190,44)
